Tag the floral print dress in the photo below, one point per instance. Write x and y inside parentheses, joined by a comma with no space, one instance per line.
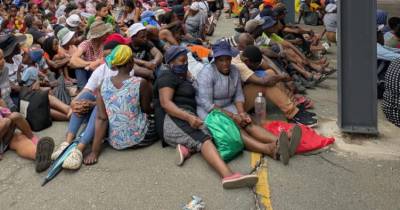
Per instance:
(128,124)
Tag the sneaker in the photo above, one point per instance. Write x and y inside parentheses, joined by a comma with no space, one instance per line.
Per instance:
(44,148)
(305,119)
(74,160)
(238,180)
(302,108)
(59,150)
(182,153)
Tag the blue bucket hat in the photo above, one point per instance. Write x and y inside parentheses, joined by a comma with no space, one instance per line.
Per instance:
(268,22)
(223,48)
(36,55)
(147,14)
(174,52)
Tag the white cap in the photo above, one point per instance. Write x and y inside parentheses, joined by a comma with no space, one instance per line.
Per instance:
(195,6)
(330,8)
(73,20)
(135,28)
(260,94)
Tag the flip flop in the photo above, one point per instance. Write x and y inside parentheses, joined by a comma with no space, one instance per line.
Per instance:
(283,147)
(294,140)
(44,149)
(238,181)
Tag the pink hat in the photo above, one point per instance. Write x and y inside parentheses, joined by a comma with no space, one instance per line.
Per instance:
(38,2)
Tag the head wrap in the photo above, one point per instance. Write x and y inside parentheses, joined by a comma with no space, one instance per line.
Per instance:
(119,56)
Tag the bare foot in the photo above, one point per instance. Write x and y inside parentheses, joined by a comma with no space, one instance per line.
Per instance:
(90,159)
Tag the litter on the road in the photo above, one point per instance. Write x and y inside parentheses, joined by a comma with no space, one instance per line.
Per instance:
(196,203)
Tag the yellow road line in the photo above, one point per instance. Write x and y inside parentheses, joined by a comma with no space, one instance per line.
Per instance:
(262,188)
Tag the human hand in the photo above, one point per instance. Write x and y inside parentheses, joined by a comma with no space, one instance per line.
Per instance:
(36,85)
(285,77)
(237,119)
(246,119)
(195,122)
(81,107)
(150,65)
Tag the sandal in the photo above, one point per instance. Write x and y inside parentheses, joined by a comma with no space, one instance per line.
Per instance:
(44,149)
(238,180)
(294,140)
(74,160)
(283,148)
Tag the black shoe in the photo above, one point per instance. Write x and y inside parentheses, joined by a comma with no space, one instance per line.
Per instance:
(302,108)
(304,119)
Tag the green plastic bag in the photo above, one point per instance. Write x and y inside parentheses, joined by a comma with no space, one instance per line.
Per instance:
(225,133)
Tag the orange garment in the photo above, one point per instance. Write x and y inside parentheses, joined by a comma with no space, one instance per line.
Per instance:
(200,51)
(234,6)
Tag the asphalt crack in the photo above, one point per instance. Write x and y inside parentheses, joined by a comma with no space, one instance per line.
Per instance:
(335,164)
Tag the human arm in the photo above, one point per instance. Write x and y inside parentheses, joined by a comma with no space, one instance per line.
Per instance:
(205,89)
(166,95)
(386,54)
(145,96)
(136,18)
(287,44)
(101,125)
(56,64)
(157,56)
(143,72)
(76,60)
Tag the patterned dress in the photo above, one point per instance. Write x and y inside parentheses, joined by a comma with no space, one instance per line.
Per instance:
(391,96)
(128,124)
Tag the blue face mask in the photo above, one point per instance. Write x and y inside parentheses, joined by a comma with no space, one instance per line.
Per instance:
(180,69)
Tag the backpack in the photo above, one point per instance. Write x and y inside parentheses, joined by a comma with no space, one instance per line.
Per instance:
(311,18)
(38,111)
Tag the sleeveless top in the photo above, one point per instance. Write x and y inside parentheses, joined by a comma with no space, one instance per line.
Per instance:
(128,124)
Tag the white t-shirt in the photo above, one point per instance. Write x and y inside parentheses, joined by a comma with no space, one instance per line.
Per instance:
(13,67)
(204,7)
(102,72)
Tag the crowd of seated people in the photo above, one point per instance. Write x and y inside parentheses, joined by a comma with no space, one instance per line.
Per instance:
(146,71)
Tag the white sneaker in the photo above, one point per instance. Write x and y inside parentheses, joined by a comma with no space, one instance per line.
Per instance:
(59,150)
(74,160)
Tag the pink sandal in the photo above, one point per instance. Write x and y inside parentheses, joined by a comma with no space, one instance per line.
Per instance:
(182,153)
(238,180)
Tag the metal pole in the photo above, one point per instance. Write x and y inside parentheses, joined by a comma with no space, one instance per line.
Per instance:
(357,94)
(290,16)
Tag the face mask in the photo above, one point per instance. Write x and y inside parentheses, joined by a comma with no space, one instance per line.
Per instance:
(180,69)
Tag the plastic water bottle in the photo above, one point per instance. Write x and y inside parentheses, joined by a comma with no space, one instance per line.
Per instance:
(260,108)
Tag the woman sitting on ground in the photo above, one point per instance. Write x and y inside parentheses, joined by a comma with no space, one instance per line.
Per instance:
(89,54)
(57,61)
(84,111)
(218,86)
(25,144)
(28,78)
(177,122)
(123,107)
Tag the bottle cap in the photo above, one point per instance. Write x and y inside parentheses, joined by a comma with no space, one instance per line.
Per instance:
(260,94)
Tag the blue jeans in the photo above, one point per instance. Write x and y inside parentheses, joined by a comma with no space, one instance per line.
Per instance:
(82,77)
(76,121)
